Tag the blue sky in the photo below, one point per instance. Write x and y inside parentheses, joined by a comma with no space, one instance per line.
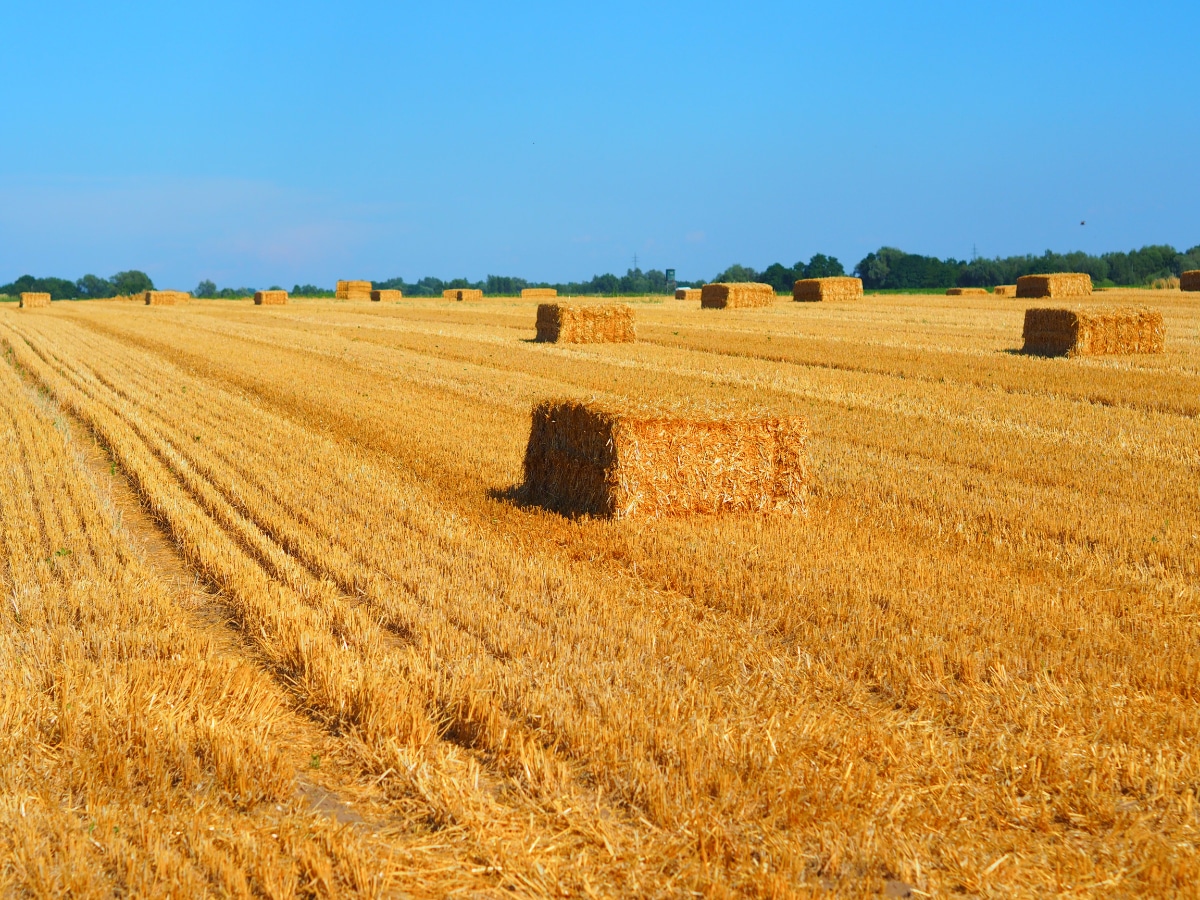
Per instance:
(258,143)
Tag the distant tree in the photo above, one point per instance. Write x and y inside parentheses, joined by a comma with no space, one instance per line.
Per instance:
(206,288)
(822,266)
(736,273)
(311,290)
(93,287)
(779,277)
(131,282)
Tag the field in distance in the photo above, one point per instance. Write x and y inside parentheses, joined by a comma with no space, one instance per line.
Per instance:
(277,627)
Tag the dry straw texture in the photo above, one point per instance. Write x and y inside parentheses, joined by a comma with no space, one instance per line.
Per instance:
(966,292)
(811,290)
(587,458)
(1005,290)
(462,294)
(539,292)
(1093,332)
(165,298)
(385,296)
(1190,280)
(1063,285)
(736,296)
(31,300)
(687,294)
(567,323)
(270,298)
(353,290)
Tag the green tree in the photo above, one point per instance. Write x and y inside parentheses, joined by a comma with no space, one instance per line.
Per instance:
(131,282)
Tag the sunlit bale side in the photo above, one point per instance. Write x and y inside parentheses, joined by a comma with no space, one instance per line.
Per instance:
(385,296)
(353,290)
(687,294)
(539,293)
(462,294)
(34,299)
(738,295)
(966,292)
(270,298)
(1190,280)
(1005,290)
(587,458)
(1093,332)
(165,298)
(814,290)
(569,323)
(1062,285)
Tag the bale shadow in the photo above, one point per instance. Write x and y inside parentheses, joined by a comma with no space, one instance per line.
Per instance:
(1035,352)
(523,497)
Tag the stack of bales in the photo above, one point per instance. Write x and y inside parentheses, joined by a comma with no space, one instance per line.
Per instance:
(385,296)
(1190,280)
(34,299)
(353,290)
(462,294)
(165,298)
(539,293)
(738,295)
(587,458)
(1061,286)
(1093,331)
(1005,290)
(814,290)
(966,292)
(687,294)
(567,323)
(270,298)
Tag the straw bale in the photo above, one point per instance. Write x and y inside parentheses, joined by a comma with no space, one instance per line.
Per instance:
(587,458)
(539,293)
(568,323)
(353,290)
(165,298)
(461,294)
(385,296)
(1062,285)
(841,287)
(1190,280)
(687,294)
(1005,290)
(1092,331)
(34,299)
(966,292)
(270,298)
(738,295)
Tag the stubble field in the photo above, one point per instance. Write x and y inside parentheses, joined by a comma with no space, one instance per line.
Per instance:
(272,624)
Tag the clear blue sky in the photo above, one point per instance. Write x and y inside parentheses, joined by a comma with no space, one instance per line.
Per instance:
(257,143)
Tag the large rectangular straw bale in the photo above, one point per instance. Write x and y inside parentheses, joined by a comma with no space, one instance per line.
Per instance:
(34,299)
(385,296)
(165,298)
(353,290)
(687,294)
(462,294)
(539,293)
(966,292)
(813,290)
(568,323)
(1062,285)
(1190,280)
(270,298)
(737,295)
(1093,331)
(1005,290)
(587,458)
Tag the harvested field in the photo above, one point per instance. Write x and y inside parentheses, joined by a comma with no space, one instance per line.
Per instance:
(743,295)
(1005,290)
(270,298)
(573,323)
(966,292)
(33,300)
(1190,280)
(814,290)
(353,290)
(687,294)
(1063,286)
(374,664)
(386,296)
(462,294)
(536,293)
(165,298)
(1093,331)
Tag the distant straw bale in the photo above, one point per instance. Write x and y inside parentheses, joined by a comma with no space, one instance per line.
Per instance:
(1093,331)
(385,296)
(1190,280)
(270,298)
(462,294)
(1063,285)
(737,295)
(840,287)
(568,323)
(1170,283)
(687,293)
(966,292)
(33,300)
(353,290)
(588,458)
(165,298)
(539,293)
(1005,290)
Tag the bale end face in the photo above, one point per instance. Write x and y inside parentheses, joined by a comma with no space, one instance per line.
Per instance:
(33,300)
(815,290)
(1093,332)
(966,292)
(385,296)
(737,295)
(586,459)
(543,293)
(1190,280)
(1061,285)
(567,323)
(1005,290)
(270,298)
(353,290)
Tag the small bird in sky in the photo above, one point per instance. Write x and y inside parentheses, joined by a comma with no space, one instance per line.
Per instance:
(1083,223)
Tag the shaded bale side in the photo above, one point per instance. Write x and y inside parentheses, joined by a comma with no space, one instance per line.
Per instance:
(739,295)
(1093,332)
(585,458)
(353,290)
(1061,285)
(966,292)
(270,298)
(1005,290)
(567,323)
(1190,280)
(815,290)
(165,298)
(539,293)
(385,296)
(33,300)
(687,294)
(462,294)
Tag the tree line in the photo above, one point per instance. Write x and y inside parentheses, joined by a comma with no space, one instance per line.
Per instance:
(89,287)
